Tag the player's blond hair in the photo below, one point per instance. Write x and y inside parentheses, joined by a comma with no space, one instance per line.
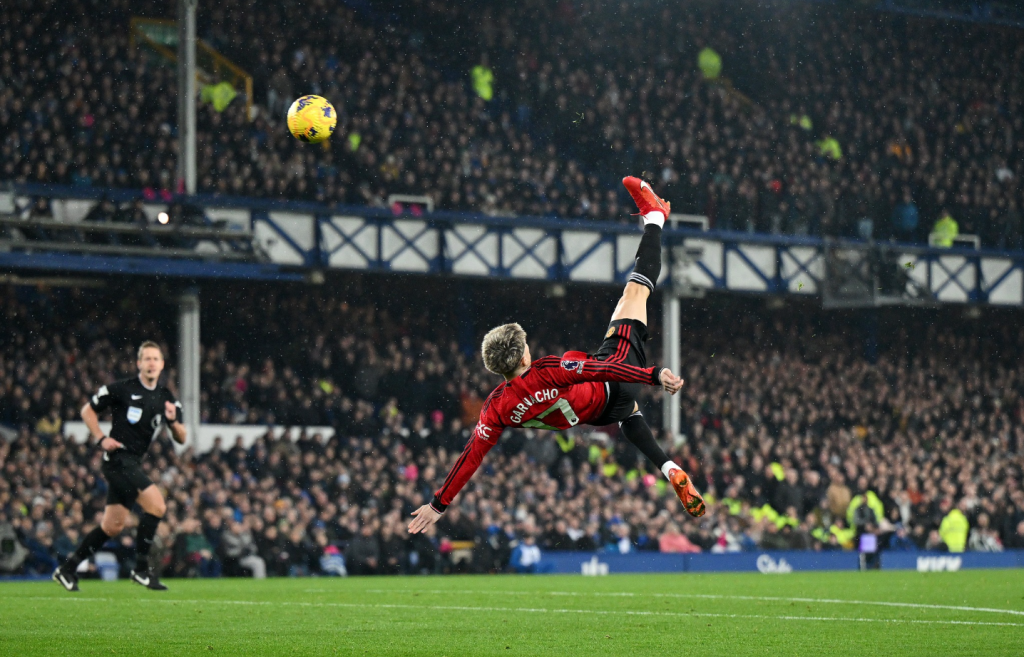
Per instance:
(149,344)
(503,347)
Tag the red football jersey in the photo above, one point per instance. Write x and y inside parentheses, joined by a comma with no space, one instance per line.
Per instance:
(553,393)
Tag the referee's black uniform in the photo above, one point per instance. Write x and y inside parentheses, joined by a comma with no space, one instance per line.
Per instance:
(138,418)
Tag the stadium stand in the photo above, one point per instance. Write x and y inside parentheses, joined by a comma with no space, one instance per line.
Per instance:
(828,122)
(803,431)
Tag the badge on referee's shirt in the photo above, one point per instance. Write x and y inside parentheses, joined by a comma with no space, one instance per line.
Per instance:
(610,333)
(134,414)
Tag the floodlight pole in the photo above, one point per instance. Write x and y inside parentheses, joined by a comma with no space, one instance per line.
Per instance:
(188,360)
(188,301)
(671,419)
(676,285)
(187,95)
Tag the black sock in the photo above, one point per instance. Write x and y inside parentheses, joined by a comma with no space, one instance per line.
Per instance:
(636,431)
(93,541)
(648,258)
(144,540)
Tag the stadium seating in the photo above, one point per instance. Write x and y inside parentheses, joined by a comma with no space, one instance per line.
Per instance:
(803,431)
(811,128)
(789,419)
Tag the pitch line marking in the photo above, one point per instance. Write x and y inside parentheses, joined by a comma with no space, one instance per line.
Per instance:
(704,596)
(533,610)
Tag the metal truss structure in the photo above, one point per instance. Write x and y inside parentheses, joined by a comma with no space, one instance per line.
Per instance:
(288,240)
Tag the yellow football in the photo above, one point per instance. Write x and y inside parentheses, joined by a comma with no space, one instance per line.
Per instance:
(312,119)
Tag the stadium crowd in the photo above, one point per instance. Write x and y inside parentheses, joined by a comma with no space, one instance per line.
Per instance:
(822,120)
(798,440)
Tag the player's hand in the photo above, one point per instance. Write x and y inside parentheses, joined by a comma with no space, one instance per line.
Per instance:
(670,382)
(170,412)
(108,444)
(425,516)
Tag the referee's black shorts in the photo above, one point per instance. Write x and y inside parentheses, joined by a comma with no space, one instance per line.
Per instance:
(623,343)
(125,478)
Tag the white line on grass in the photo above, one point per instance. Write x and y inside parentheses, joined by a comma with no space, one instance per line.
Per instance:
(528,610)
(702,596)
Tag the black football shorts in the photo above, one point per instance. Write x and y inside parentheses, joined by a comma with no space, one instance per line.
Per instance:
(125,478)
(623,343)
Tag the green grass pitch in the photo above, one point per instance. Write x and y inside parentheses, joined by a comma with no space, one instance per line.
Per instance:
(874,613)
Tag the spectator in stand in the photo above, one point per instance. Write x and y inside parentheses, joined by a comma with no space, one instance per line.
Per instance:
(363,554)
(982,537)
(526,557)
(900,541)
(780,396)
(955,527)
(744,146)
(193,555)
(1015,540)
(905,218)
(945,230)
(673,540)
(238,553)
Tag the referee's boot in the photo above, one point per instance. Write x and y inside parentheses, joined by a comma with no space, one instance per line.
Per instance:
(148,579)
(66,578)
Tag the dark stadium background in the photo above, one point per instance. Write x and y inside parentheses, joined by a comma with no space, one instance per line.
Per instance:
(792,413)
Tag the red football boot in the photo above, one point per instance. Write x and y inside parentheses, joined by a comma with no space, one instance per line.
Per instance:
(644,197)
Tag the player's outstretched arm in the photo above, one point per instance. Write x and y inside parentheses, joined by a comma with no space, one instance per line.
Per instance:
(567,371)
(485,436)
(424,517)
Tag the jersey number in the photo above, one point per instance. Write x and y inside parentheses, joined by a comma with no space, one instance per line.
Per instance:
(560,405)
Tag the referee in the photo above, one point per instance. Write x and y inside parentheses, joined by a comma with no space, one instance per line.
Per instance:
(141,408)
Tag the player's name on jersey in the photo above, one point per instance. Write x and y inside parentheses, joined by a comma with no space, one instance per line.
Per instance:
(536,398)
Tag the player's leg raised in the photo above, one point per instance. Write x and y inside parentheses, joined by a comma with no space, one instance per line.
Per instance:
(647,269)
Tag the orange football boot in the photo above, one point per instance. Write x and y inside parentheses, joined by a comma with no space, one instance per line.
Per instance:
(644,197)
(691,499)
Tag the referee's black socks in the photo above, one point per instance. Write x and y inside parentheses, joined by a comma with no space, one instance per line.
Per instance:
(648,257)
(144,540)
(93,541)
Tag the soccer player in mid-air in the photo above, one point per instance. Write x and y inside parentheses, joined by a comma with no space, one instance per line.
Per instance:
(560,392)
(140,410)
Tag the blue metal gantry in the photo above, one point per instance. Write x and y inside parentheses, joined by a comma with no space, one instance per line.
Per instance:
(292,239)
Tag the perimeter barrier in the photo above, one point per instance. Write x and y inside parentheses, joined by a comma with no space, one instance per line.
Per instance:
(769,562)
